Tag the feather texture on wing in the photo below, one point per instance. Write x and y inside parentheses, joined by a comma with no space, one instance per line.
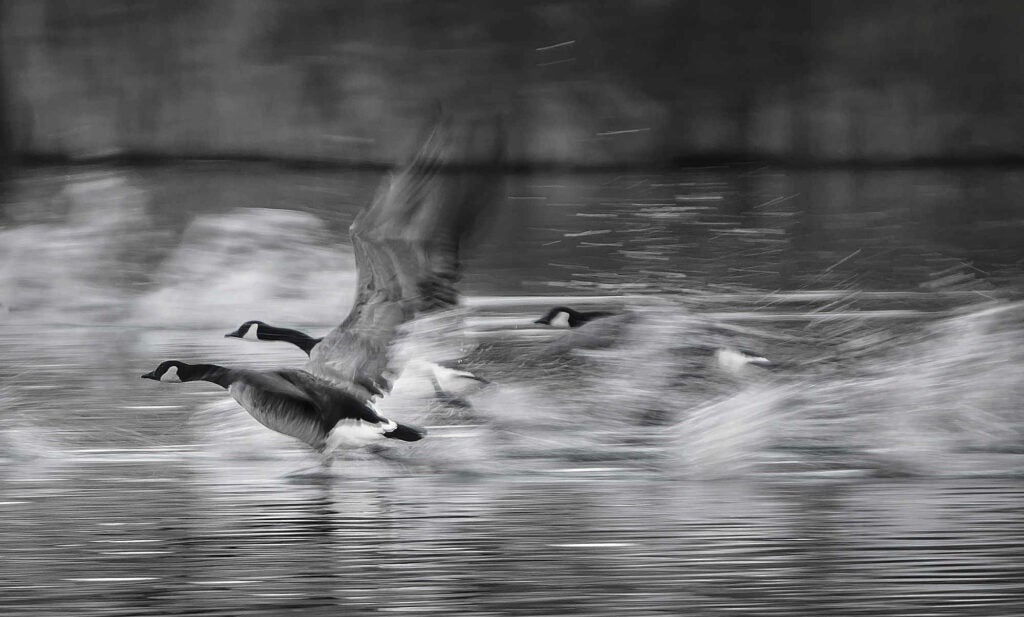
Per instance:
(407,246)
(279,411)
(298,404)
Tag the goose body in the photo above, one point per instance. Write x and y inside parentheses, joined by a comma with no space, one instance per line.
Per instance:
(296,403)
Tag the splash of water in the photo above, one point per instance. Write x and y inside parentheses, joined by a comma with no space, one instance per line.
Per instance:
(231,265)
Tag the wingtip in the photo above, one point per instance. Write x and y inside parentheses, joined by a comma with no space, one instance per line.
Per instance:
(435,139)
(473,142)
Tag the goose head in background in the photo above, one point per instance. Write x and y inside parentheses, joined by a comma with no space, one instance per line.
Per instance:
(565,317)
(260,331)
(607,328)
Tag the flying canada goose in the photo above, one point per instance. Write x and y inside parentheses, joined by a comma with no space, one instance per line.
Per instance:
(297,404)
(406,245)
(446,377)
(598,329)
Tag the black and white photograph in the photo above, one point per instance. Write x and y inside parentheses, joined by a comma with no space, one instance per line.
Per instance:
(488,308)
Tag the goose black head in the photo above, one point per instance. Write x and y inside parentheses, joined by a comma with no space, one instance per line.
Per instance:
(249,331)
(561,317)
(171,371)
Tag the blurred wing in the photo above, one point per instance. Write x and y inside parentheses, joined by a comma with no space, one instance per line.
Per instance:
(407,251)
(332,404)
(279,383)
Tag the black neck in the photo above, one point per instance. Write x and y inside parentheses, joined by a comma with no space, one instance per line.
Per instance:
(301,340)
(206,372)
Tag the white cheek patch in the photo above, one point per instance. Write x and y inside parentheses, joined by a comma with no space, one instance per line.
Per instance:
(171,375)
(561,320)
(252,333)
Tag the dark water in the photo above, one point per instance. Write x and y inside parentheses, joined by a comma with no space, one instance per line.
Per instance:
(876,468)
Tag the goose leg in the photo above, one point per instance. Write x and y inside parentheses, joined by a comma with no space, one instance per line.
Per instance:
(387,454)
(324,466)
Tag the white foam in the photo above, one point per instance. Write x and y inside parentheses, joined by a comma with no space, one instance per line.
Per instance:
(351,433)
(734,361)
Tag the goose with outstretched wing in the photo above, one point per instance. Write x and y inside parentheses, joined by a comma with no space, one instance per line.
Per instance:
(296,404)
(407,248)
(448,377)
(407,251)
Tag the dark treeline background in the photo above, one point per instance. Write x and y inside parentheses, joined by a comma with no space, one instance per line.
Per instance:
(629,82)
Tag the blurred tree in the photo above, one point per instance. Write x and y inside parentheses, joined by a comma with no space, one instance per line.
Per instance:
(6,133)
(581,81)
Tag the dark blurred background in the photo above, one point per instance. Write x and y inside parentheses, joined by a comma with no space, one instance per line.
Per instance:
(625,83)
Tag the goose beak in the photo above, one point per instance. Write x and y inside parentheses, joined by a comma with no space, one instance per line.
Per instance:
(542,321)
(151,375)
(234,334)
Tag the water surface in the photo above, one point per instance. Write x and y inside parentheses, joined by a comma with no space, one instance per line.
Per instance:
(874,469)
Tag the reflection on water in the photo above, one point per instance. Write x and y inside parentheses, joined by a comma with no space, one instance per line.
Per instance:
(170,537)
(874,468)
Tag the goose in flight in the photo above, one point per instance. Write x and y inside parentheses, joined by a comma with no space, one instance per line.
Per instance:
(445,376)
(599,329)
(407,246)
(295,403)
